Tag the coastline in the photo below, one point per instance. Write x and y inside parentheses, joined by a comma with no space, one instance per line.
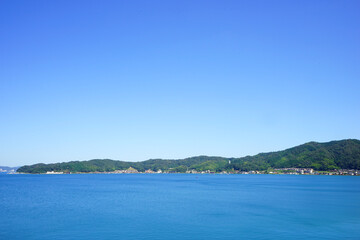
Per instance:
(343,172)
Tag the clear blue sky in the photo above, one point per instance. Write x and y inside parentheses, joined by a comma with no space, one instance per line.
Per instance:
(133,80)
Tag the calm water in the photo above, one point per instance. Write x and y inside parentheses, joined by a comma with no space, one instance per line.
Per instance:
(176,206)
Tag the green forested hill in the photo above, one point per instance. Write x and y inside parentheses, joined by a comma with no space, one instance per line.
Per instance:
(344,154)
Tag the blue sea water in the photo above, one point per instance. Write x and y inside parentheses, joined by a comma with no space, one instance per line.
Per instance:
(179,206)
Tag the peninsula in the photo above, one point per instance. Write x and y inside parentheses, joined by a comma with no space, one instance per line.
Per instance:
(336,157)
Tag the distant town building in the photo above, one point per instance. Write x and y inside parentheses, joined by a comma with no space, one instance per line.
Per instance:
(52,172)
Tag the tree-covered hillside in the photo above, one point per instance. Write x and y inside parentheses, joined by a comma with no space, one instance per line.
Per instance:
(344,154)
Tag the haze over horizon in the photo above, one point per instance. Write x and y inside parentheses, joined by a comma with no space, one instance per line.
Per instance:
(134,80)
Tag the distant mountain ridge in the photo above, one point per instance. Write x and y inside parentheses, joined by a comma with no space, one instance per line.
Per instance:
(5,169)
(343,154)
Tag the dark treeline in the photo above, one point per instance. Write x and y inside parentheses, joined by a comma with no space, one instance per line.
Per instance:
(344,154)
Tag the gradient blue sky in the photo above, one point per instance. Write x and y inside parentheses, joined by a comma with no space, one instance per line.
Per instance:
(133,80)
